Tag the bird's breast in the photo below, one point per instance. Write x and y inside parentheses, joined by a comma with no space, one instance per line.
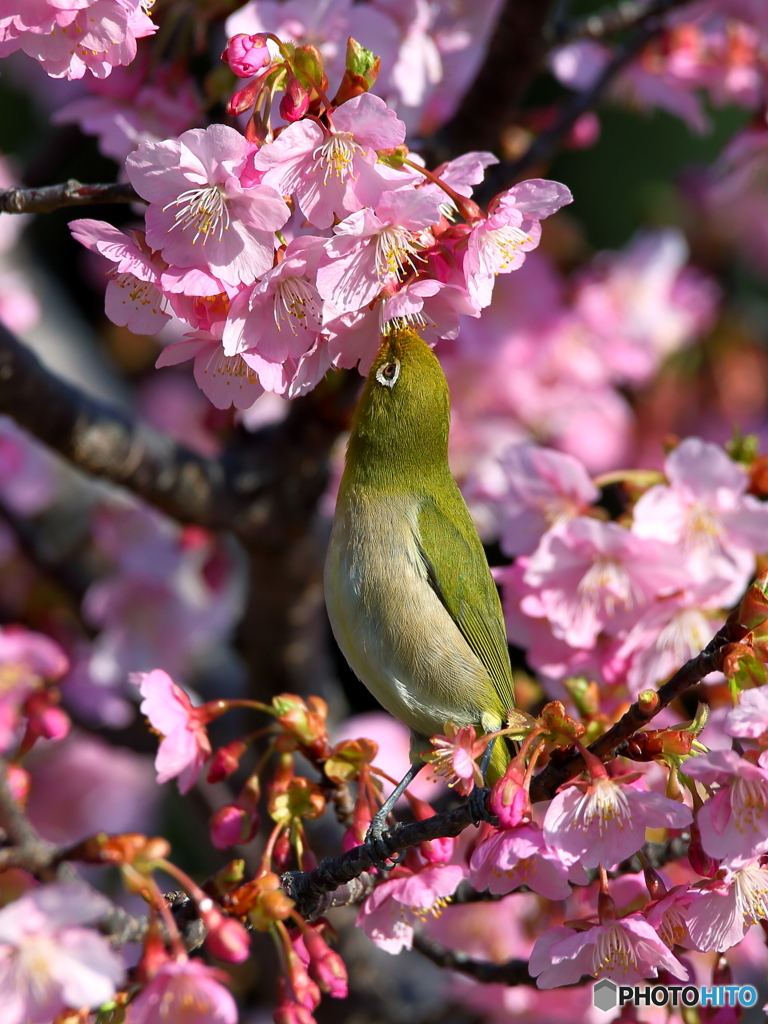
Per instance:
(391,626)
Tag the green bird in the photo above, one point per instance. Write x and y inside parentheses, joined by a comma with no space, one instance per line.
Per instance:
(410,597)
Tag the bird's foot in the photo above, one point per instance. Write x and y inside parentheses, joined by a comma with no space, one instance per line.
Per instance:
(478,810)
(377,848)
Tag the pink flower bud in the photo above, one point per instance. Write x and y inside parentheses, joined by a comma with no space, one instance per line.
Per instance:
(325,967)
(247,54)
(295,101)
(226,760)
(231,825)
(289,1012)
(46,719)
(700,861)
(509,799)
(227,939)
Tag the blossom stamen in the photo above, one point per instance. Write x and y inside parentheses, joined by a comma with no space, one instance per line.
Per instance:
(336,155)
(395,252)
(613,950)
(295,301)
(606,802)
(204,209)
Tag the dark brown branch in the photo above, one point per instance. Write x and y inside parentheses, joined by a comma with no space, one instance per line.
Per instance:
(546,144)
(68,193)
(313,891)
(602,24)
(513,57)
(106,442)
(514,972)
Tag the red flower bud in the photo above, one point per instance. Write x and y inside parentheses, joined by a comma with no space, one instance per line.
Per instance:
(509,799)
(325,967)
(226,760)
(231,825)
(289,1012)
(227,939)
(700,861)
(295,101)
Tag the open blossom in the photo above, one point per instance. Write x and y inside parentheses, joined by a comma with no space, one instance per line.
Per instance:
(587,575)
(727,907)
(388,915)
(204,211)
(455,757)
(26,660)
(185,745)
(733,822)
(706,512)
(542,487)
(750,716)
(498,244)
(371,248)
(186,990)
(331,171)
(519,856)
(133,298)
(281,316)
(226,380)
(49,962)
(69,37)
(604,822)
(626,951)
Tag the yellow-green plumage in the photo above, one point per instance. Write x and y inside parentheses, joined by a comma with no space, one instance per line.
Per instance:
(410,596)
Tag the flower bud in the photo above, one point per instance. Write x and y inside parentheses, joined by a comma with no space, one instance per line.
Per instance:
(304,988)
(231,825)
(325,967)
(509,799)
(18,782)
(226,760)
(247,54)
(289,1012)
(700,861)
(295,101)
(227,938)
(45,718)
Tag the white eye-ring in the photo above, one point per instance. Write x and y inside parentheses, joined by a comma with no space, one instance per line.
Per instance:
(388,373)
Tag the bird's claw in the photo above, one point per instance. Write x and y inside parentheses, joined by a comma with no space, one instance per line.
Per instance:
(478,810)
(377,848)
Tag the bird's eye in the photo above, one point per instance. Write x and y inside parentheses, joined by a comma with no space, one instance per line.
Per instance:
(388,373)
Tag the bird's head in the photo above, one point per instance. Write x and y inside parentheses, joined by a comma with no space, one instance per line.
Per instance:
(403,416)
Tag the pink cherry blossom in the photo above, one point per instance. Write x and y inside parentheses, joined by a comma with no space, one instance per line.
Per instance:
(69,37)
(332,172)
(226,380)
(733,822)
(454,757)
(133,298)
(134,105)
(185,746)
(48,961)
(203,209)
(626,951)
(519,856)
(26,660)
(281,316)
(184,988)
(388,915)
(589,575)
(604,822)
(706,512)
(668,915)
(727,907)
(374,247)
(498,244)
(750,716)
(542,488)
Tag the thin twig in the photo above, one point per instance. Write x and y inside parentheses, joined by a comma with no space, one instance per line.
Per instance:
(68,193)
(547,142)
(511,973)
(611,21)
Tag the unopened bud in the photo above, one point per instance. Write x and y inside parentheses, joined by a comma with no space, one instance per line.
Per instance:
(231,825)
(325,966)
(18,782)
(227,939)
(226,760)
(295,102)
(509,799)
(246,54)
(290,1012)
(700,861)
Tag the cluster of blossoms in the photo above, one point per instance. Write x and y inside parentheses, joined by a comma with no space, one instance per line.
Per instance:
(70,37)
(286,252)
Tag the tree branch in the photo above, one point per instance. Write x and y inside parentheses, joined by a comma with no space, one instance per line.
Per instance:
(547,142)
(609,22)
(68,193)
(106,442)
(513,56)
(514,972)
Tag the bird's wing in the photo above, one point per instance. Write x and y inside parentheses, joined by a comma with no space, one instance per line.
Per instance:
(458,572)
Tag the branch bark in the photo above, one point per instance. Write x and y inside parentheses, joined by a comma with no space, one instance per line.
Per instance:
(68,193)
(106,442)
(511,973)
